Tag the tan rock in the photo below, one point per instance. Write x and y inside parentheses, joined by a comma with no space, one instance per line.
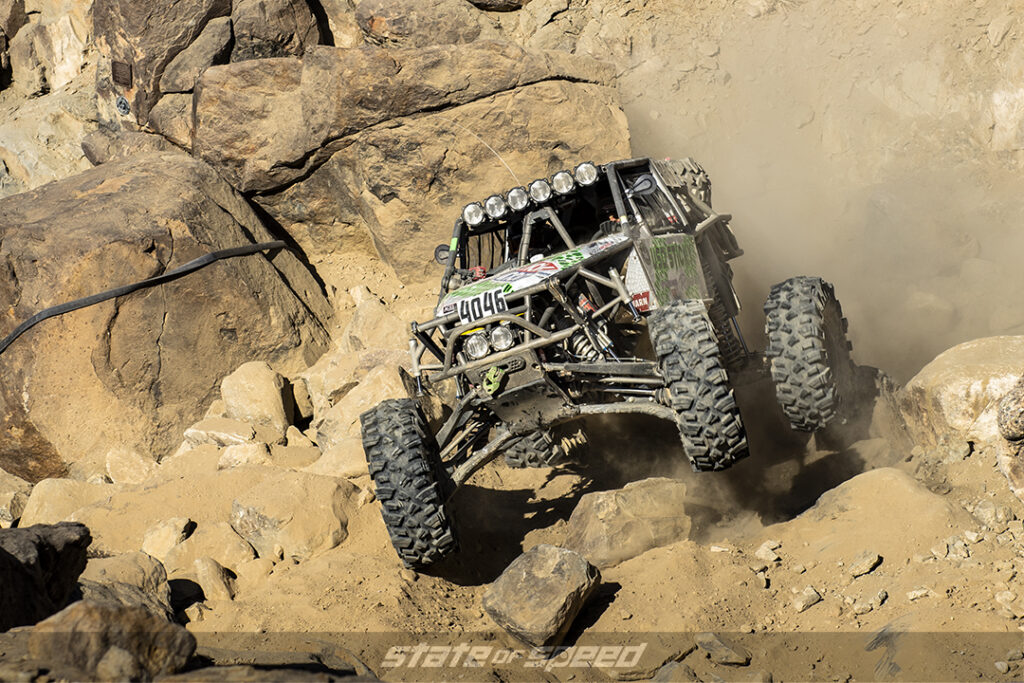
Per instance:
(128,466)
(537,597)
(14,492)
(164,536)
(219,431)
(56,500)
(259,144)
(83,635)
(255,393)
(211,47)
(296,439)
(301,514)
(214,579)
(343,459)
(137,569)
(341,421)
(189,462)
(47,55)
(295,457)
(609,527)
(253,573)
(136,382)
(373,327)
(272,28)
(218,541)
(955,398)
(171,117)
(340,370)
(244,454)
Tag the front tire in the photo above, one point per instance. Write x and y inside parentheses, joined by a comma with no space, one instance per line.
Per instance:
(698,386)
(405,463)
(808,352)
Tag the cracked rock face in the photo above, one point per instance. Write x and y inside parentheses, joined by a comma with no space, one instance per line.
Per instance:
(137,370)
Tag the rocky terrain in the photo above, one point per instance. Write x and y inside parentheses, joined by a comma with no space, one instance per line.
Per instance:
(181,474)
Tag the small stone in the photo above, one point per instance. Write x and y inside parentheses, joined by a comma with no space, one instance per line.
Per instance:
(722,651)
(214,579)
(798,569)
(806,599)
(255,393)
(219,431)
(408,575)
(719,549)
(194,612)
(972,536)
(1002,667)
(864,563)
(1004,538)
(879,599)
(1014,655)
(253,453)
(917,593)
(940,551)
(862,608)
(767,552)
(762,580)
(160,538)
(958,549)
(294,437)
(759,566)
(1005,598)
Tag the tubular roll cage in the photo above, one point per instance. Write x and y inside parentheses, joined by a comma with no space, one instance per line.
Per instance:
(534,335)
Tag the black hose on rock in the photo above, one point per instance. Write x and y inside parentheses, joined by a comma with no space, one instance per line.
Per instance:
(178,272)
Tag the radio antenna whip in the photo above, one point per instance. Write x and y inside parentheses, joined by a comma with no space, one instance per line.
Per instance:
(511,172)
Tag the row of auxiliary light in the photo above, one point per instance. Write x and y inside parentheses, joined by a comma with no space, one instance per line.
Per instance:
(539,191)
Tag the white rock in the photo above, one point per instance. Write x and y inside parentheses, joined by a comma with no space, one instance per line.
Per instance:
(344,459)
(767,552)
(219,431)
(341,421)
(918,593)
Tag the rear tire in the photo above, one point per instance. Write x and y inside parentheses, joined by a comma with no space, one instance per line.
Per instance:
(546,448)
(405,463)
(698,386)
(808,352)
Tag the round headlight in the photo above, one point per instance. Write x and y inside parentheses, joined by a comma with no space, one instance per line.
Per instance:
(540,191)
(476,346)
(586,173)
(517,198)
(562,182)
(473,214)
(501,338)
(495,206)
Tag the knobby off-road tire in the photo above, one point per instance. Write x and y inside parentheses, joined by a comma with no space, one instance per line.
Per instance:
(698,386)
(406,467)
(808,352)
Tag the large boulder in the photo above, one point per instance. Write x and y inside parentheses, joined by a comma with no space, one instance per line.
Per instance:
(108,641)
(395,190)
(272,28)
(418,24)
(140,367)
(537,597)
(47,55)
(255,393)
(267,123)
(144,38)
(39,568)
(955,398)
(609,527)
(55,500)
(294,516)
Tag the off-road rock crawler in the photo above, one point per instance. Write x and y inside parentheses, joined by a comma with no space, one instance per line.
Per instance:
(606,290)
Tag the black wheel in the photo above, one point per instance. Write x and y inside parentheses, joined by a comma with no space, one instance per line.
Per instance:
(698,386)
(406,467)
(808,351)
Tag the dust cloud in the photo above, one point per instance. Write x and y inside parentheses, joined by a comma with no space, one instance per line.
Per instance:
(861,143)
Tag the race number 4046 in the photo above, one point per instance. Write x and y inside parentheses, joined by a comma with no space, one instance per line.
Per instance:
(482,305)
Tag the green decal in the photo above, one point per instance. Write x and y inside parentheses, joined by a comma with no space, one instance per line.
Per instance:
(454,245)
(492,380)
